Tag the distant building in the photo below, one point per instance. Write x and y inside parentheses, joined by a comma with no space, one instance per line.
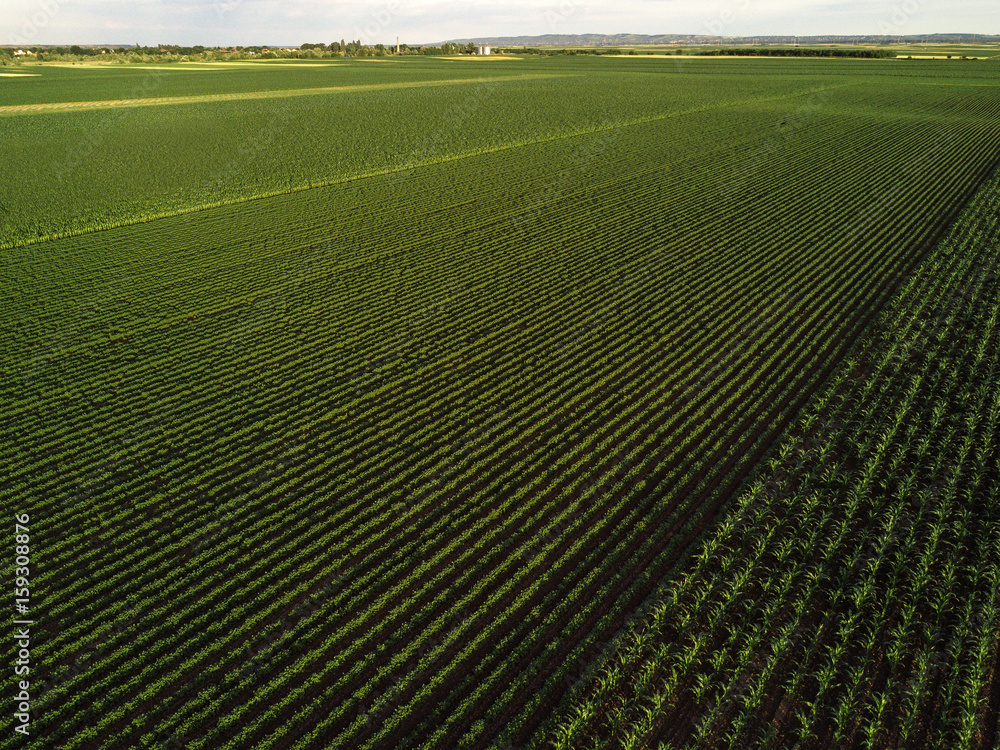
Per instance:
(484,49)
(19,52)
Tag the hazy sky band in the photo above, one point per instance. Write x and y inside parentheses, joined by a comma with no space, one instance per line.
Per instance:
(293,22)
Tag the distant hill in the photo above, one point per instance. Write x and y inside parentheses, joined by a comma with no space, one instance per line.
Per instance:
(635,40)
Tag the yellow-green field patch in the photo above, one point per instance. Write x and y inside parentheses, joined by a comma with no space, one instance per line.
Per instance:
(480,57)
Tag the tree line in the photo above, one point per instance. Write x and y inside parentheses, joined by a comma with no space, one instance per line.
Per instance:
(177,53)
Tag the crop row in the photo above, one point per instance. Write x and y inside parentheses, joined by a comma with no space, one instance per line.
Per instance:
(447,458)
(850,599)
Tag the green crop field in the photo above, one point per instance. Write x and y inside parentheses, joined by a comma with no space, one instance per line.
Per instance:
(548,402)
(852,597)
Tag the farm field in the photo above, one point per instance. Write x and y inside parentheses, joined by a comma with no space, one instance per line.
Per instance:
(371,417)
(987,51)
(850,598)
(149,163)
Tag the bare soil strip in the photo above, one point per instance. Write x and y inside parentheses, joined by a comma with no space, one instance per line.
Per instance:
(23,109)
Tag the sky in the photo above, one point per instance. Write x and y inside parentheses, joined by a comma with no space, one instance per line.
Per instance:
(294,22)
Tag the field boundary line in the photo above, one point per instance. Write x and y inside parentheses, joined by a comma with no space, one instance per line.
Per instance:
(49,107)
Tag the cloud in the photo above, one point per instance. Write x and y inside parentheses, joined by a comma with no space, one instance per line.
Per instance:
(211,22)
